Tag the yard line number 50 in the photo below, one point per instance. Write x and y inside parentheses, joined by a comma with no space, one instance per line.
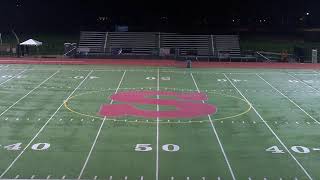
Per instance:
(148,147)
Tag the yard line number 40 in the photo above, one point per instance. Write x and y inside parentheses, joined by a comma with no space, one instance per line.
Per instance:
(35,147)
(296,149)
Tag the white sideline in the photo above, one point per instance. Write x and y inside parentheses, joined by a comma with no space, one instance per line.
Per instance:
(13,77)
(42,128)
(157,153)
(289,99)
(28,93)
(217,136)
(271,130)
(98,134)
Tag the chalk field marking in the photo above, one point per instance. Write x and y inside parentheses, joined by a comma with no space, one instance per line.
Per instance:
(42,128)
(216,134)
(157,150)
(13,77)
(315,89)
(271,130)
(289,99)
(28,94)
(304,82)
(98,134)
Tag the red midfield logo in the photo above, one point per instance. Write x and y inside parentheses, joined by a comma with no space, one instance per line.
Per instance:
(187,105)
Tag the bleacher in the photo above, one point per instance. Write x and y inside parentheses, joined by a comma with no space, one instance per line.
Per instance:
(201,44)
(92,42)
(227,46)
(135,43)
(150,43)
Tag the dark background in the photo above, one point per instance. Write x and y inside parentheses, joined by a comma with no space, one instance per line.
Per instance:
(176,16)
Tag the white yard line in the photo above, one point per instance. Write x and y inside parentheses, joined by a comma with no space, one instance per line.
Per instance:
(157,150)
(289,99)
(98,134)
(13,77)
(29,93)
(271,130)
(42,128)
(304,83)
(217,136)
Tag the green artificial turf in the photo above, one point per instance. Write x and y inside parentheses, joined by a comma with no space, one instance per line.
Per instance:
(266,124)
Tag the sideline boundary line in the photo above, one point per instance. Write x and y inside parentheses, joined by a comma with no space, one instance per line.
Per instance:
(29,93)
(42,128)
(305,112)
(271,130)
(217,136)
(99,131)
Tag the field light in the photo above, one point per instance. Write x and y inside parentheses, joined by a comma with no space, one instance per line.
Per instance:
(307,13)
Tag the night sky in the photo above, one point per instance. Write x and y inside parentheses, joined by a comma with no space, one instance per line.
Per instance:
(75,15)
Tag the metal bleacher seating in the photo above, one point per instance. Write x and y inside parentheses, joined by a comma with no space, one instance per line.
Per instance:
(136,43)
(201,44)
(92,42)
(227,46)
(151,43)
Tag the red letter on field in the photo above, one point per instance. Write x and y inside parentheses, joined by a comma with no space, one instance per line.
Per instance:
(186,105)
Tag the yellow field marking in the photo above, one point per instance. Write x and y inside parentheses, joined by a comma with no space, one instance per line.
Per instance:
(154,122)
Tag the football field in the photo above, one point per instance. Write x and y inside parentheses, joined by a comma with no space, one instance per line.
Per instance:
(149,123)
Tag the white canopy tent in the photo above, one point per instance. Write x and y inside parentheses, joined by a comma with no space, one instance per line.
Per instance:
(31,42)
